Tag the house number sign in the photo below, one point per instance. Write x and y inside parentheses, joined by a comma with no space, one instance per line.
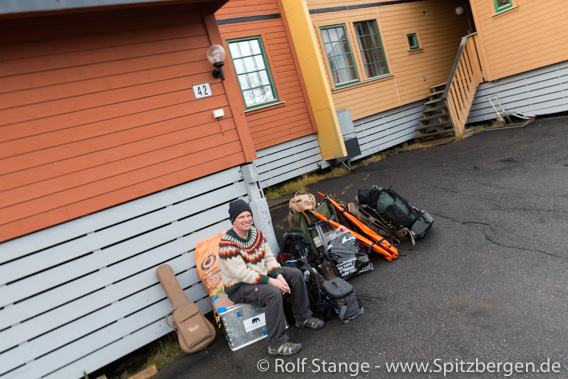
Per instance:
(201,90)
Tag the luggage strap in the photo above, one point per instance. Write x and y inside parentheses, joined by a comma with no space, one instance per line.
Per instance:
(170,313)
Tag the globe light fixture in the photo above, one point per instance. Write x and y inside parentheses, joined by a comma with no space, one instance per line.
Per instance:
(216,55)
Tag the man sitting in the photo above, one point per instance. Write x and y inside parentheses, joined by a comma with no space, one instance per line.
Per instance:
(251,274)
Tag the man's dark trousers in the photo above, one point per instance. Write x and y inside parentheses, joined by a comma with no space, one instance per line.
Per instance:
(270,298)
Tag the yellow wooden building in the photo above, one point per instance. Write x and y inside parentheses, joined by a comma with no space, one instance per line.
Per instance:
(403,70)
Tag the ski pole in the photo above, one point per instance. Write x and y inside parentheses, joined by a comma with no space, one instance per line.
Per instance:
(365,241)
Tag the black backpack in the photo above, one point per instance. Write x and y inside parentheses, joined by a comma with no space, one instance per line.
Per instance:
(296,245)
(320,304)
(395,210)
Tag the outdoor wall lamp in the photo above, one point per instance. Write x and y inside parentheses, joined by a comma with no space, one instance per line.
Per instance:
(459,11)
(216,55)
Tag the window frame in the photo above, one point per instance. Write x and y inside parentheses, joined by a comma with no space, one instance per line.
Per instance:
(502,8)
(378,50)
(414,36)
(350,53)
(264,56)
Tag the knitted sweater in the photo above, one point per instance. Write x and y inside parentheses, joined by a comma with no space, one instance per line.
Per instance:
(246,261)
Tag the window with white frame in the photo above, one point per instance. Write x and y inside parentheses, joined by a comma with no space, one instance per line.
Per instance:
(339,55)
(253,72)
(371,48)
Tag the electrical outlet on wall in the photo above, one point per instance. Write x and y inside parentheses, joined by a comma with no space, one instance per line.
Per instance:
(218,113)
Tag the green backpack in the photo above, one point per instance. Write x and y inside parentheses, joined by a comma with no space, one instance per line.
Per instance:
(395,210)
(305,222)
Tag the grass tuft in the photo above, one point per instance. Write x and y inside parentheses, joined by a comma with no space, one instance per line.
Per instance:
(301,184)
(165,351)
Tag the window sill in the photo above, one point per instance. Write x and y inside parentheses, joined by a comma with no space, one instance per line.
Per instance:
(349,84)
(415,50)
(505,10)
(365,82)
(263,106)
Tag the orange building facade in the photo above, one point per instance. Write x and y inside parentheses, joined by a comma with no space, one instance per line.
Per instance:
(98,109)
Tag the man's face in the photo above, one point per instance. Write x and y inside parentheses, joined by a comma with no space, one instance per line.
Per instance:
(243,222)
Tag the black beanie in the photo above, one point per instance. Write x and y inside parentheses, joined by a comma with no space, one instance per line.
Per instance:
(236,208)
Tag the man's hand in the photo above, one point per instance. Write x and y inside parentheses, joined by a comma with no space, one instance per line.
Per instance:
(281,283)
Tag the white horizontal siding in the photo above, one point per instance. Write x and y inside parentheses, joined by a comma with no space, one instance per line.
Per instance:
(289,160)
(375,133)
(79,295)
(387,129)
(537,92)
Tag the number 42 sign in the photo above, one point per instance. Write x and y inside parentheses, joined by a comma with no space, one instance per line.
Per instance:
(202,90)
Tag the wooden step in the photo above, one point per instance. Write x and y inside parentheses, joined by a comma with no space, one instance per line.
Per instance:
(435,122)
(433,109)
(437,93)
(433,101)
(439,115)
(441,130)
(435,142)
(438,87)
(438,125)
(436,133)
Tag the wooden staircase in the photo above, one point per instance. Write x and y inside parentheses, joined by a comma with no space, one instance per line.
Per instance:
(449,103)
(436,125)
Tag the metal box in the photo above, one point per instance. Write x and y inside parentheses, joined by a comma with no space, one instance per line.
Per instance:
(349,137)
(243,324)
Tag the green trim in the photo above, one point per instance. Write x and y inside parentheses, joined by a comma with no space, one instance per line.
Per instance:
(253,72)
(336,72)
(377,78)
(502,7)
(373,54)
(413,44)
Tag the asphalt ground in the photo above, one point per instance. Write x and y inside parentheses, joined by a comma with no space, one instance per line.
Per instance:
(483,295)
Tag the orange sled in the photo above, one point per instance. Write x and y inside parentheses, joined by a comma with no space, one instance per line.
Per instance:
(374,236)
(365,241)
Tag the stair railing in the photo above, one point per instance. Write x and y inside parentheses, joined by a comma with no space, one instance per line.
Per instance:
(464,79)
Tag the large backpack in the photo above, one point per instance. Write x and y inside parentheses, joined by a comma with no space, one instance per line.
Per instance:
(338,216)
(373,220)
(395,210)
(320,304)
(296,245)
(300,218)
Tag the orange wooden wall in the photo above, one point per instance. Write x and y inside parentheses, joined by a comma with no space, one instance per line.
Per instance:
(439,31)
(533,34)
(97,109)
(280,122)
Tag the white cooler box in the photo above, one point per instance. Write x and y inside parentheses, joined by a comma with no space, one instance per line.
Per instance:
(243,324)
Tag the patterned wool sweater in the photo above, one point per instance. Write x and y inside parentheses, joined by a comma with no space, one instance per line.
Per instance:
(246,261)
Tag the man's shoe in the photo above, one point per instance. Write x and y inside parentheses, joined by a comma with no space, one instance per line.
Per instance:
(311,323)
(287,348)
